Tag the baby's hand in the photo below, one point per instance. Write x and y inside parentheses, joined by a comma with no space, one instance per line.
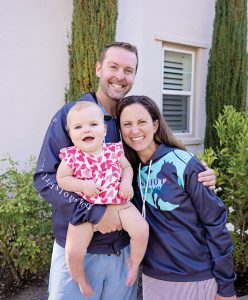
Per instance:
(126,190)
(91,188)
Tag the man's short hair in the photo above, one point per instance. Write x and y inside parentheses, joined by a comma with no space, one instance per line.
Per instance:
(122,45)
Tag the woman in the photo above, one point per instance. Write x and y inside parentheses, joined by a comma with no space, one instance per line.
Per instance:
(189,254)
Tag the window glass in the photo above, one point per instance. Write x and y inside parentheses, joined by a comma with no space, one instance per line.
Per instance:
(177,89)
(175,112)
(177,71)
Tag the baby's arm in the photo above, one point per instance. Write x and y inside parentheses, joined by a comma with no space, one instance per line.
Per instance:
(126,189)
(69,183)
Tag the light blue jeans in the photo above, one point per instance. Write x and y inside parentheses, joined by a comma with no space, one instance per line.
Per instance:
(106,274)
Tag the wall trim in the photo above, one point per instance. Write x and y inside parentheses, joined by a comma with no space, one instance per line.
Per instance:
(178,40)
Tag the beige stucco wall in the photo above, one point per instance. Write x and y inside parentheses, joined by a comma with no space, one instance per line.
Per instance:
(34,59)
(33,72)
(144,23)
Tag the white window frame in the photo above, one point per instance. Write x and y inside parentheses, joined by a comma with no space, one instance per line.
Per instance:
(184,93)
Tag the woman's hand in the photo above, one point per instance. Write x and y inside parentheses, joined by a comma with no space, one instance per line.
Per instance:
(207,177)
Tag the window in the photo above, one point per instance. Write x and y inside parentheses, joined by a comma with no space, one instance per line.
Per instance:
(177,91)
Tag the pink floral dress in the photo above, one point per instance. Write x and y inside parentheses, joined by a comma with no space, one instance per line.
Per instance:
(104,169)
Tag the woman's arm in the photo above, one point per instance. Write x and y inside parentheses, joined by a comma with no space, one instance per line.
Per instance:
(213,216)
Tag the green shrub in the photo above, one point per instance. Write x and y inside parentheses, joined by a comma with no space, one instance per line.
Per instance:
(230,161)
(25,227)
(227,64)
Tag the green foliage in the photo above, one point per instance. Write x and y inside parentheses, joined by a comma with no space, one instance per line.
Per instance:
(93,26)
(25,227)
(231,161)
(227,66)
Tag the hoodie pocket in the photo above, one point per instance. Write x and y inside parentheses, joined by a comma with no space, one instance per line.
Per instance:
(176,252)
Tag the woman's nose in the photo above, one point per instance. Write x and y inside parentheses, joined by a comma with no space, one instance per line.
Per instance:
(135,128)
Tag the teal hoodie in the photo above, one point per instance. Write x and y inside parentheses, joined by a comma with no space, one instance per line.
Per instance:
(188,236)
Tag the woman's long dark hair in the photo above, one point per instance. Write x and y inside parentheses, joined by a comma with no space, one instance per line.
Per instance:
(163,134)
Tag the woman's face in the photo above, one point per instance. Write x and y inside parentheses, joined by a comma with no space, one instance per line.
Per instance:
(138,130)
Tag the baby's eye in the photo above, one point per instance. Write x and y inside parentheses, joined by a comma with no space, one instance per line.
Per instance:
(93,124)
(78,127)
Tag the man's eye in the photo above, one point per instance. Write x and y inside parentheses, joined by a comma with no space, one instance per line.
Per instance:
(129,71)
(113,67)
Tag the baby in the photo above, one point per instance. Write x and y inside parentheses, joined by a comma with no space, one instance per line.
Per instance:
(101,174)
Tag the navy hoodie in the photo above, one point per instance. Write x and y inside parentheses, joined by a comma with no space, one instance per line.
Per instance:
(69,207)
(188,238)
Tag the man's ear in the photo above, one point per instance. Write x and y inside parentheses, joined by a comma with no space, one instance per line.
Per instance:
(98,69)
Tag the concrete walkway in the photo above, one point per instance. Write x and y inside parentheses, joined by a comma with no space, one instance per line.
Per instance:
(243,298)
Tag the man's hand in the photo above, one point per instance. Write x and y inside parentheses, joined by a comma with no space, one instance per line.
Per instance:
(218,297)
(207,177)
(111,219)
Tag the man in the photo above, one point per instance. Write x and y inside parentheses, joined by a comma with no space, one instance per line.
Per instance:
(105,263)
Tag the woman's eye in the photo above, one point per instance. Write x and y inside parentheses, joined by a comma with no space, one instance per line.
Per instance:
(127,125)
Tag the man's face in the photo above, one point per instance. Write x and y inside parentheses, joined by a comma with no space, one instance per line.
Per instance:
(116,73)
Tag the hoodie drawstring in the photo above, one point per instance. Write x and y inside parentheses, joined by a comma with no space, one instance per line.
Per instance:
(144,195)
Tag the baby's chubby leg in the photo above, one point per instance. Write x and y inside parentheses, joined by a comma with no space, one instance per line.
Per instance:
(77,241)
(138,230)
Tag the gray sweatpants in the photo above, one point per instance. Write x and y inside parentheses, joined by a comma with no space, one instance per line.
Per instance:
(170,290)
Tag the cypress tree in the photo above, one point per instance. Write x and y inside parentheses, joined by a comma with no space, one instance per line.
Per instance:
(93,26)
(227,65)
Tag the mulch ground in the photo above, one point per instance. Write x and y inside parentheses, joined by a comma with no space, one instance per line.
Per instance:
(35,288)
(241,285)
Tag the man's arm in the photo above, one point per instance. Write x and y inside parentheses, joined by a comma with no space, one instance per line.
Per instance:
(75,208)
(212,214)
(111,213)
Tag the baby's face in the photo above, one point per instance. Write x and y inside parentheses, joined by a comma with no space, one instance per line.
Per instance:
(87,129)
